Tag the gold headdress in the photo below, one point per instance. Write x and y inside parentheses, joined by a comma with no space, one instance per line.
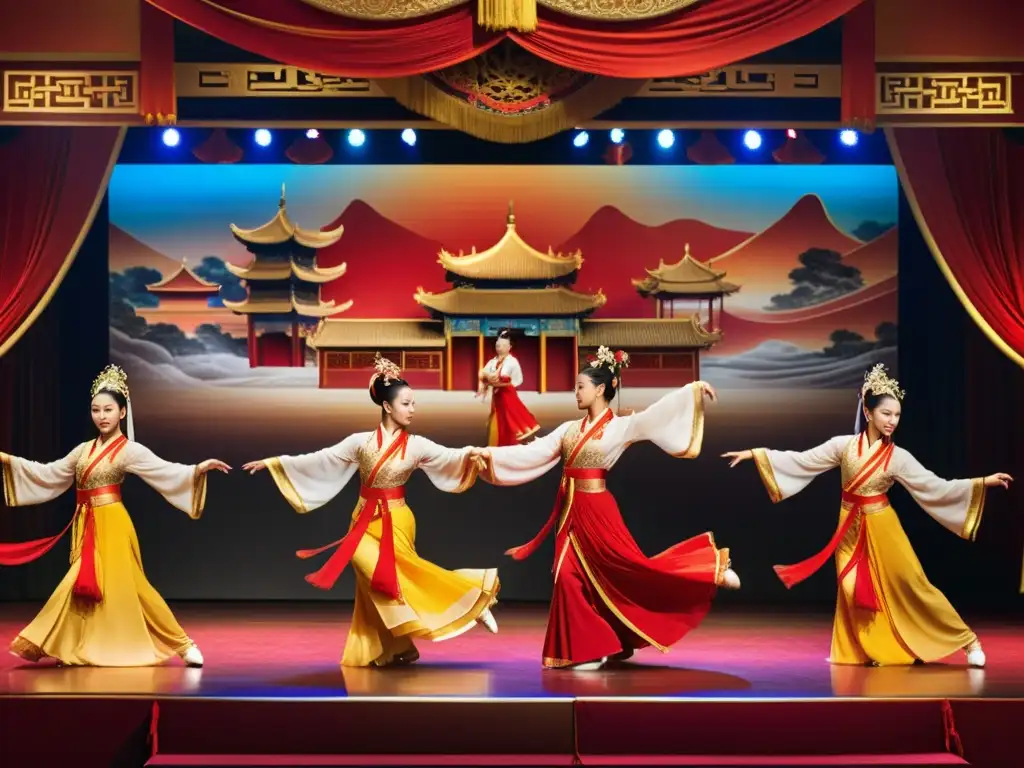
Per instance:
(112,378)
(878,382)
(384,368)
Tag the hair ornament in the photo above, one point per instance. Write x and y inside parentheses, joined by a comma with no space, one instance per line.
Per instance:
(112,378)
(614,361)
(877,382)
(384,369)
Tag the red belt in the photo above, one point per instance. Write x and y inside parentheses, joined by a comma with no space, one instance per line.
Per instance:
(864,594)
(385,576)
(523,551)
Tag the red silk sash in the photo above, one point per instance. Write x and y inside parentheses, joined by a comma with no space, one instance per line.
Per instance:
(385,575)
(87,583)
(523,551)
(865,595)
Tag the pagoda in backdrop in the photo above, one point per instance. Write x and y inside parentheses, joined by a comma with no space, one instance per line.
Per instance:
(183,299)
(283,288)
(510,285)
(684,287)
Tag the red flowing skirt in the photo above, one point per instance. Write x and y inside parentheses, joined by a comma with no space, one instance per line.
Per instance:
(511,421)
(609,596)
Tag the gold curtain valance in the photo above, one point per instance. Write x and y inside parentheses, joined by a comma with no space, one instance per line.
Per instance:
(520,15)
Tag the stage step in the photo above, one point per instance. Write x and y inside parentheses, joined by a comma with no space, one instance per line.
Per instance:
(935,760)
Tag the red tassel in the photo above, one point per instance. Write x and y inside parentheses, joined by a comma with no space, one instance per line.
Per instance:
(154,731)
(87,586)
(385,575)
(953,743)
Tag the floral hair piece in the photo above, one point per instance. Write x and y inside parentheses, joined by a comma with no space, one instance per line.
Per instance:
(385,369)
(613,361)
(878,382)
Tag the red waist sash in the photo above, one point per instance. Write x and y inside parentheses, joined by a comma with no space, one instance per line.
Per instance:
(569,473)
(864,589)
(385,577)
(86,584)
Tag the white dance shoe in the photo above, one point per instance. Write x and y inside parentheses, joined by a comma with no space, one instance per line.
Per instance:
(192,656)
(730,579)
(589,666)
(975,656)
(487,619)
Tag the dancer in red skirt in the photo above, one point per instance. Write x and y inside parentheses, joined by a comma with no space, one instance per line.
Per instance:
(609,597)
(510,422)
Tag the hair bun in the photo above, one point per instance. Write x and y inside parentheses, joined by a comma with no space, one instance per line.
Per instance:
(504,333)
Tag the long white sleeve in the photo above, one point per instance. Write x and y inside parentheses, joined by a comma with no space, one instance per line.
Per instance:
(182,485)
(786,473)
(309,481)
(513,370)
(955,504)
(449,469)
(29,482)
(675,423)
(518,464)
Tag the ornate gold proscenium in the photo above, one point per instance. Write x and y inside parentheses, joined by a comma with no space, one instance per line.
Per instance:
(944,93)
(777,80)
(98,92)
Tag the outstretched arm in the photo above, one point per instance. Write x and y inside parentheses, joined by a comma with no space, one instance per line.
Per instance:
(519,464)
(786,473)
(182,485)
(29,482)
(309,481)
(452,470)
(675,423)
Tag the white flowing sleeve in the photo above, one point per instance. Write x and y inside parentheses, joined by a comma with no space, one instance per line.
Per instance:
(675,423)
(786,473)
(955,504)
(518,464)
(449,469)
(309,481)
(514,372)
(29,482)
(183,486)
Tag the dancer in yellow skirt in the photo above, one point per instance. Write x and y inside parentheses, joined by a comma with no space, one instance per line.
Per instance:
(887,611)
(399,595)
(104,612)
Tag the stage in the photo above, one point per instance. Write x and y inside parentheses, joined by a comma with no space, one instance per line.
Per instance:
(742,687)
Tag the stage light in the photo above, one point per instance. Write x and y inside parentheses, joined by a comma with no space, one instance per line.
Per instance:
(791,134)
(263,137)
(356,138)
(409,137)
(312,133)
(617,135)
(849,137)
(171,137)
(580,139)
(666,138)
(752,140)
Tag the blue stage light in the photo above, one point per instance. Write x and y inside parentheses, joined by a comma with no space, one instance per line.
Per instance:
(752,140)
(409,137)
(849,137)
(263,137)
(617,135)
(312,133)
(356,138)
(171,137)
(666,138)
(580,139)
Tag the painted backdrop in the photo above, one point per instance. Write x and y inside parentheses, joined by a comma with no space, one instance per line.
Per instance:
(813,249)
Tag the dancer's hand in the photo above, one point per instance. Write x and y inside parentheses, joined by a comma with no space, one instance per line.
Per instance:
(999,478)
(737,457)
(254,466)
(481,457)
(708,391)
(217,464)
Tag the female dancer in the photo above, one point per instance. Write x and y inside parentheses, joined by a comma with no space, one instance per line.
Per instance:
(399,595)
(510,421)
(105,612)
(609,598)
(887,611)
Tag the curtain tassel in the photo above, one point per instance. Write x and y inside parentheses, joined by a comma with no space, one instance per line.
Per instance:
(500,15)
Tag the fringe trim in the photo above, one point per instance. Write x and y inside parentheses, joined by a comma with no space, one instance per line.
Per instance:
(500,15)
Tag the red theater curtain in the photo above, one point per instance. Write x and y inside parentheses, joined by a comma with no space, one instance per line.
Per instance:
(699,38)
(52,181)
(966,188)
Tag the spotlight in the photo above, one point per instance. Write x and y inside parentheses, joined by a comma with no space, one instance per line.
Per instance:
(263,137)
(791,134)
(666,138)
(580,139)
(752,140)
(171,137)
(849,137)
(409,137)
(356,138)
(312,133)
(617,135)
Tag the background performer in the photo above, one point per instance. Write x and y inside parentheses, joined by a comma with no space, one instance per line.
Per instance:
(510,422)
(887,611)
